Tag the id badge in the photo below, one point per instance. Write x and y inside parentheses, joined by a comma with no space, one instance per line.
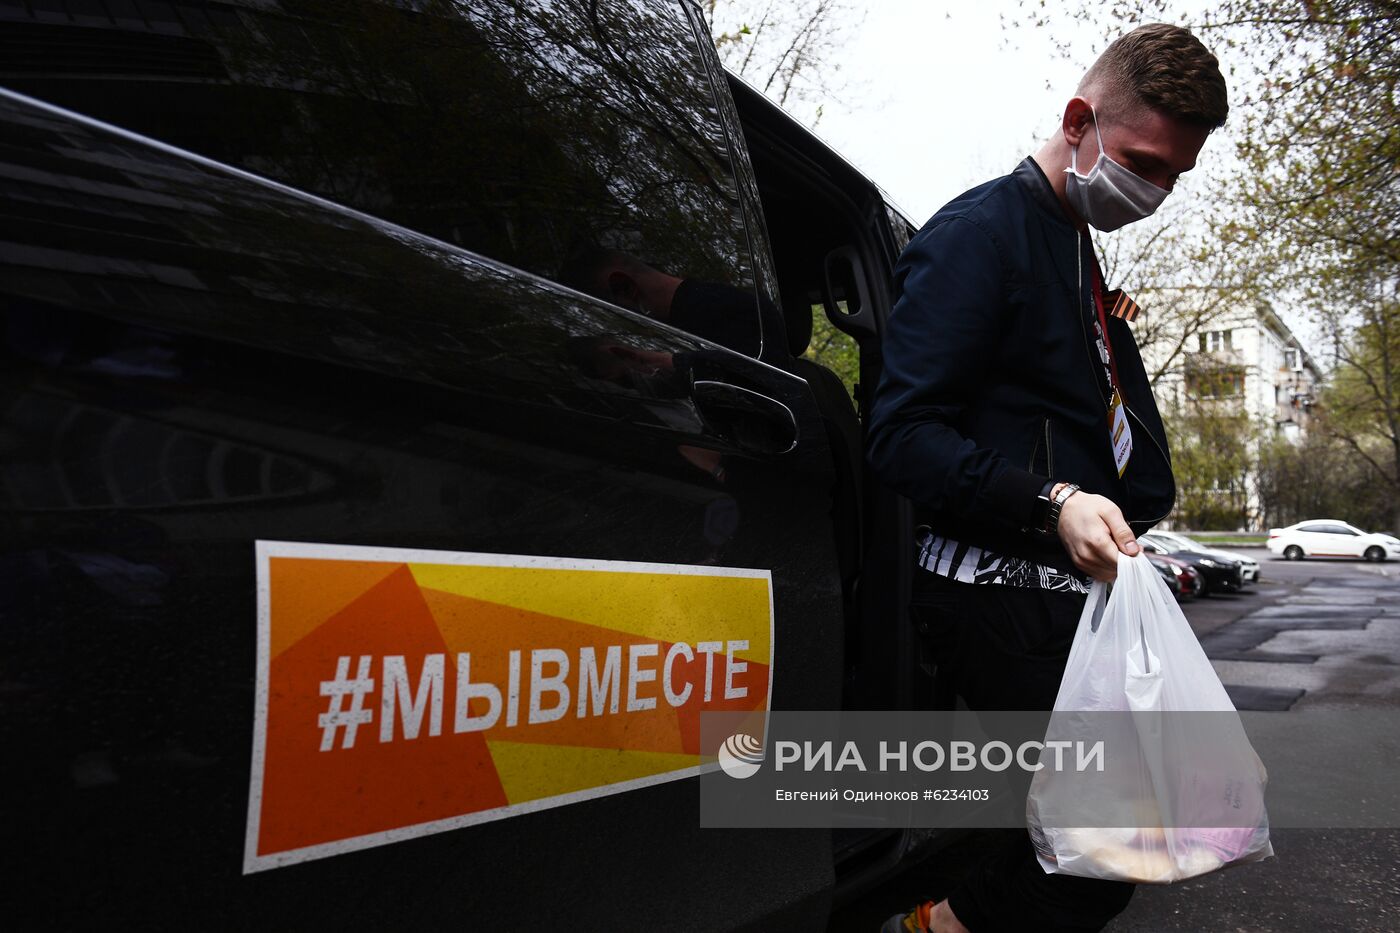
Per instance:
(1119,431)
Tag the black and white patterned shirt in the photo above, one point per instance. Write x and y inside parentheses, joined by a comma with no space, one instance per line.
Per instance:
(972,564)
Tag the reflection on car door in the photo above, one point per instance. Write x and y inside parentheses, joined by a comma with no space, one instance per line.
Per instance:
(197,359)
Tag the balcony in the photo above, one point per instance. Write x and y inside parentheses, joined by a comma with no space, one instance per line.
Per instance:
(1208,377)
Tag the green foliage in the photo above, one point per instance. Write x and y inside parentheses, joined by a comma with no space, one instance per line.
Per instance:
(1320,135)
(1361,405)
(1212,460)
(1321,477)
(834,349)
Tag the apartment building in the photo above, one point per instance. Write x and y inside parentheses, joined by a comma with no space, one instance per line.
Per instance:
(1245,361)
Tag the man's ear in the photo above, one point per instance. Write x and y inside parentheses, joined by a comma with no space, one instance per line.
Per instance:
(1076,121)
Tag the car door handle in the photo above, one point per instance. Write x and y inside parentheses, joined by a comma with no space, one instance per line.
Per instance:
(749,420)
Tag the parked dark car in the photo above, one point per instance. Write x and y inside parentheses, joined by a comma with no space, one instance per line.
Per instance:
(1218,574)
(525,284)
(1182,579)
(1173,540)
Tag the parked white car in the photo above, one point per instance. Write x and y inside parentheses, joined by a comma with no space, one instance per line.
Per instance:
(1331,538)
(1249,567)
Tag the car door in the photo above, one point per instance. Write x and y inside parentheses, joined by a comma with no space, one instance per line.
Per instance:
(1313,538)
(1331,540)
(389,355)
(1346,540)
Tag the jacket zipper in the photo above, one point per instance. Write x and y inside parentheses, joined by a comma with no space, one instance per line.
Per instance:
(1049,453)
(1095,364)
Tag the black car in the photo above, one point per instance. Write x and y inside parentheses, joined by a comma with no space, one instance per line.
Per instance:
(327,325)
(1218,574)
(1182,579)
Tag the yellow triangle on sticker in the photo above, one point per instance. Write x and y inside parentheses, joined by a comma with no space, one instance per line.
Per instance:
(663,606)
(530,771)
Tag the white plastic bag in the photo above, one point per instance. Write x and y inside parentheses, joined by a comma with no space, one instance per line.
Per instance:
(1191,785)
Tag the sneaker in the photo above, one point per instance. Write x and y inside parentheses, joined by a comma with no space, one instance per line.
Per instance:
(918,920)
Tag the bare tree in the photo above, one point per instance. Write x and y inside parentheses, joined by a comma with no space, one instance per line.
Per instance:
(1182,278)
(787,48)
(1362,403)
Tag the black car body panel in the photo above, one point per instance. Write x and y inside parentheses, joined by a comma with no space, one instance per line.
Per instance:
(250,294)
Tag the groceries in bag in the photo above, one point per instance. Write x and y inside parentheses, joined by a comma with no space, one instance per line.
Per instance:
(1181,792)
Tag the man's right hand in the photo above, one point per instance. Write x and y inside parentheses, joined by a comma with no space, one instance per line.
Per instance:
(1093,530)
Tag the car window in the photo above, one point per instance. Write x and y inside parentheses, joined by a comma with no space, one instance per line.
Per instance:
(580,142)
(1331,529)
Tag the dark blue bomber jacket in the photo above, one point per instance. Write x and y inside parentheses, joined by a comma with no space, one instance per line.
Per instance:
(992,382)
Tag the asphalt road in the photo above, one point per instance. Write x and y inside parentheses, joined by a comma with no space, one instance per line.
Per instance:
(1312,634)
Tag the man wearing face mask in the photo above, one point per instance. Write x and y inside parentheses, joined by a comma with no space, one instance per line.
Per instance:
(1015,413)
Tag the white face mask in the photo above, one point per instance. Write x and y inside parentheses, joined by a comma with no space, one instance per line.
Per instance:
(1110,196)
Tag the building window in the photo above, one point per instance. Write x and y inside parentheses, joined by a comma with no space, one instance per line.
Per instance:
(1216,340)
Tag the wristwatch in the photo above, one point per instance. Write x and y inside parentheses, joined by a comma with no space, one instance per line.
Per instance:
(1052,521)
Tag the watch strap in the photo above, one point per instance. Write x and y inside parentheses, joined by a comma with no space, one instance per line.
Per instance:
(1052,522)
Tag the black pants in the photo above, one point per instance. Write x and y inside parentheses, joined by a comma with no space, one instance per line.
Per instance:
(1004,648)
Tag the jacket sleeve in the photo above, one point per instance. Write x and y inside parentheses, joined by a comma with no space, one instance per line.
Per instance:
(943,332)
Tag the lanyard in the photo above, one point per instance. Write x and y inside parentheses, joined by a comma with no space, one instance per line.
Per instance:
(1097,284)
(1119,433)
(1103,323)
